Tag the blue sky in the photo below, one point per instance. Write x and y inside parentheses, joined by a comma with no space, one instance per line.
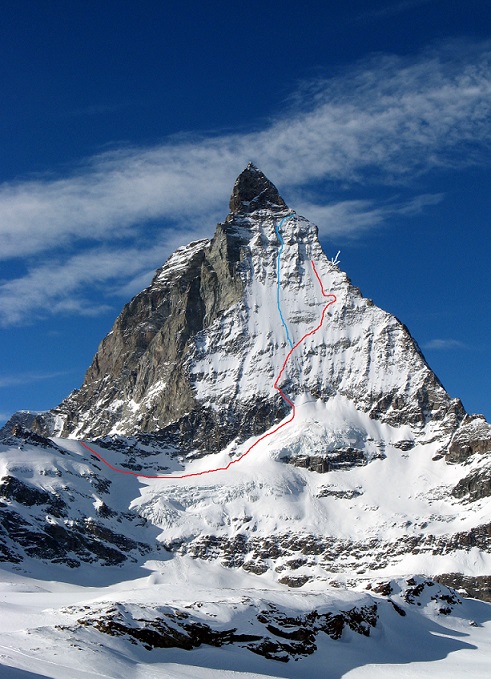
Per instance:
(124,125)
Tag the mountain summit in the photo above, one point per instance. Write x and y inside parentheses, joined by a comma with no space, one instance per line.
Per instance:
(253,191)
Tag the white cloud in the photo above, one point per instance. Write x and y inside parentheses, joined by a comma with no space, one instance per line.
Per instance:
(18,379)
(386,121)
(443,344)
(352,218)
(392,9)
(67,285)
(391,118)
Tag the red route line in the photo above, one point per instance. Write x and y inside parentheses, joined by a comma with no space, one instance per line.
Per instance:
(261,438)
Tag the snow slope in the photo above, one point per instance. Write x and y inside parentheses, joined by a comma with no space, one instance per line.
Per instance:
(419,629)
(392,514)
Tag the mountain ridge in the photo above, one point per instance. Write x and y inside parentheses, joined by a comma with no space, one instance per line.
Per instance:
(197,285)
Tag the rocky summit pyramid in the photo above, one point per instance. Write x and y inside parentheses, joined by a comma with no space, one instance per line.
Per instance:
(251,418)
(197,352)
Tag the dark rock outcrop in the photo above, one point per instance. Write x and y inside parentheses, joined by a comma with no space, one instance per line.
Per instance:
(141,380)
(190,366)
(477,587)
(283,637)
(254,553)
(149,343)
(474,486)
(473,437)
(341,458)
(254,191)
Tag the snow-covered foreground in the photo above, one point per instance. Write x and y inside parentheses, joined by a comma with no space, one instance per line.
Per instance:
(53,629)
(207,588)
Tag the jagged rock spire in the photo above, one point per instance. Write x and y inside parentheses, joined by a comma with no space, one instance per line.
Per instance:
(253,191)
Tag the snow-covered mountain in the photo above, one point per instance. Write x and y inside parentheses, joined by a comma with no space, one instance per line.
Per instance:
(278,435)
(199,350)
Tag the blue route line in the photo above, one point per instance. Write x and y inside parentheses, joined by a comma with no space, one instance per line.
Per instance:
(280,251)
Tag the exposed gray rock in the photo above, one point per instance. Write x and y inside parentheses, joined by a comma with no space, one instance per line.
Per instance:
(70,544)
(473,436)
(253,191)
(189,367)
(145,353)
(332,460)
(404,445)
(12,489)
(254,553)
(24,423)
(145,377)
(149,343)
(281,636)
(477,587)
(474,486)
(348,494)
(43,524)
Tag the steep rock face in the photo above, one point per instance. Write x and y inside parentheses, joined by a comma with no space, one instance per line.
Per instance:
(473,437)
(253,191)
(398,512)
(379,473)
(136,381)
(376,467)
(136,376)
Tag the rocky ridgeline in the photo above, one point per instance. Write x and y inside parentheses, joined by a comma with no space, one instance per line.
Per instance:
(48,513)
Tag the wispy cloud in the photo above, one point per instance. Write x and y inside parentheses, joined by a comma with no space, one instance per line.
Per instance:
(444,344)
(391,9)
(386,121)
(352,218)
(69,285)
(7,381)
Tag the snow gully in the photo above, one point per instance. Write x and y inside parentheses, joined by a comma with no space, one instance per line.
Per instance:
(278,267)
